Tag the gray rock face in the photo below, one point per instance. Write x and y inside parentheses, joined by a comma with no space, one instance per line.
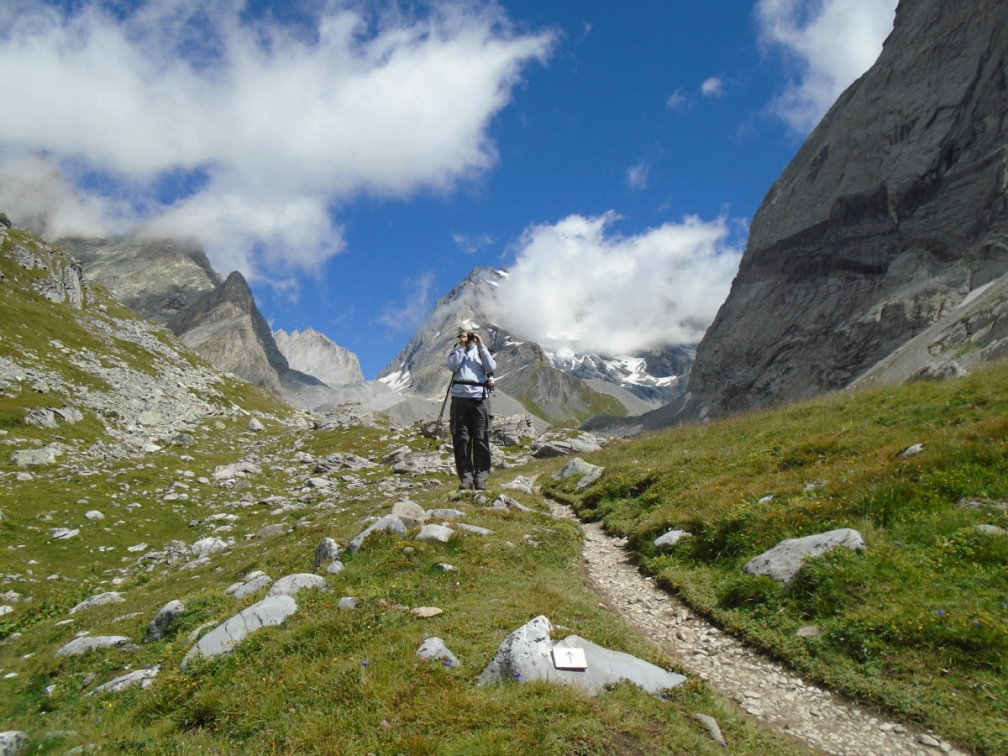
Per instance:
(343,461)
(786,559)
(172,283)
(891,214)
(527,654)
(316,354)
(124,266)
(513,429)
(575,467)
(31,457)
(411,513)
(225,637)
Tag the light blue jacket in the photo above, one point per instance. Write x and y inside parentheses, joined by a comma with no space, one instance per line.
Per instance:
(473,366)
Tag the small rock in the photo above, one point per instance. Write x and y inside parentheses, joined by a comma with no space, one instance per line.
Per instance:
(167,616)
(347,602)
(438,533)
(291,585)
(671,538)
(326,552)
(435,648)
(109,597)
(426,612)
(86,643)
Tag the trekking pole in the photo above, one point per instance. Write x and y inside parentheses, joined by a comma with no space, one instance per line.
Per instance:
(437,425)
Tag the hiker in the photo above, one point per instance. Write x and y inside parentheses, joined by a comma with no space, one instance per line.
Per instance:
(472,367)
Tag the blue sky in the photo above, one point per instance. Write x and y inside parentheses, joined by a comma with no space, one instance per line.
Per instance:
(357,159)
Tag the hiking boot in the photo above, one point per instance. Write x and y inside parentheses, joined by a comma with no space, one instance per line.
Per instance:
(466,485)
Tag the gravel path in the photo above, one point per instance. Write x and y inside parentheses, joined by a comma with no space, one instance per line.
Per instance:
(761,687)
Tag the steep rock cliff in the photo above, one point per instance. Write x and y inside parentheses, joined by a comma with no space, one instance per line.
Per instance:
(893,211)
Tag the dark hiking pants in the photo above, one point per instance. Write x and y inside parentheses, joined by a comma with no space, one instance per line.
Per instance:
(470,420)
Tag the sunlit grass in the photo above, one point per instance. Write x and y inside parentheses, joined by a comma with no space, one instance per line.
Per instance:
(918,623)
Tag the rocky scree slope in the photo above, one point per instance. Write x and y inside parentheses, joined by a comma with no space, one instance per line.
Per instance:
(894,211)
(172,283)
(76,365)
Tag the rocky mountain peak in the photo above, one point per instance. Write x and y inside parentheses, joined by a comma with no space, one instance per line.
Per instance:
(314,353)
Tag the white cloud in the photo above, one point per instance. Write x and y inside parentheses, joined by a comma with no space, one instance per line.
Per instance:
(577,286)
(637,176)
(829,42)
(676,100)
(712,87)
(409,315)
(273,125)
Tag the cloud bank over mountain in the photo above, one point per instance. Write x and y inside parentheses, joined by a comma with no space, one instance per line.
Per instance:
(578,286)
(192,118)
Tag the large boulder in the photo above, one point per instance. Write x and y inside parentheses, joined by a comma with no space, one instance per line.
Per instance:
(528,654)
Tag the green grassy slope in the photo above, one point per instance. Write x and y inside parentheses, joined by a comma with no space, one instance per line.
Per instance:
(326,680)
(918,623)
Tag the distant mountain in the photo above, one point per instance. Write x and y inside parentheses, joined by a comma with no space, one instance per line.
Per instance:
(316,354)
(553,386)
(173,283)
(892,220)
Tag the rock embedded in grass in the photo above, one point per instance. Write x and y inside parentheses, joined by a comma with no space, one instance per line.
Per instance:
(327,552)
(251,583)
(671,538)
(167,616)
(785,560)
(435,648)
(86,643)
(225,637)
(291,585)
(388,523)
(527,655)
(437,533)
(99,599)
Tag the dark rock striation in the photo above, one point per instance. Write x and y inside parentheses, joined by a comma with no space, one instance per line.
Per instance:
(891,214)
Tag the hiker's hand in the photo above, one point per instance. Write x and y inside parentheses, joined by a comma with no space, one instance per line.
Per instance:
(477,340)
